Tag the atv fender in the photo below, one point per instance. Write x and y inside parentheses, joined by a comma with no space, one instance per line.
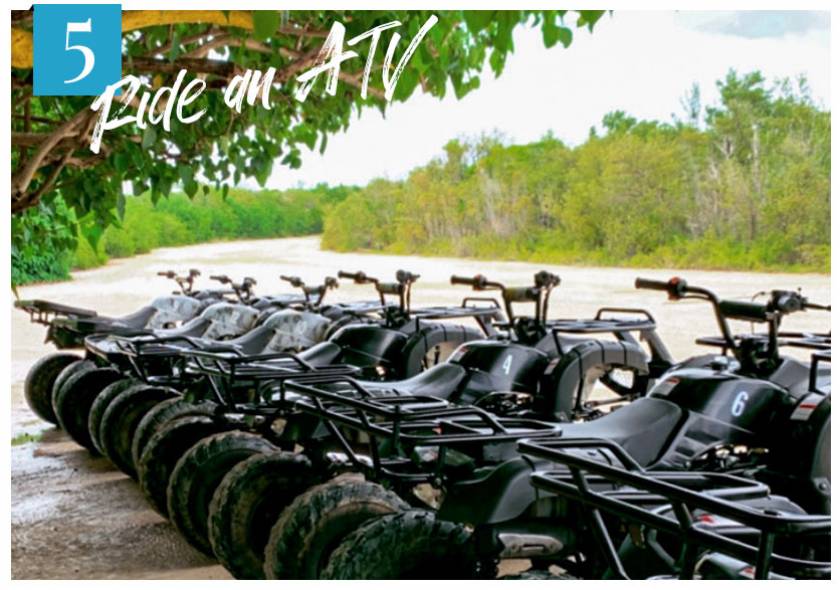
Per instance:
(502,494)
(429,336)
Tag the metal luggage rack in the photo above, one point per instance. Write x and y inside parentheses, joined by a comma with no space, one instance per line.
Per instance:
(619,327)
(229,371)
(602,325)
(483,315)
(632,493)
(142,352)
(809,340)
(43,312)
(401,423)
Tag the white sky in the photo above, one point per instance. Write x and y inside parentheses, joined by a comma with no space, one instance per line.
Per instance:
(639,62)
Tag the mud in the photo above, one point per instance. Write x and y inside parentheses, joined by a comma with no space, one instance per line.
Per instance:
(75,516)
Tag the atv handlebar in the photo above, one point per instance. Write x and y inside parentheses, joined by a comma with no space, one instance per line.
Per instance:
(357,277)
(293,281)
(544,282)
(780,304)
(184,282)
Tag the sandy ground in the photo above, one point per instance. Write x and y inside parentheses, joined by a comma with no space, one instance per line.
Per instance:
(74,516)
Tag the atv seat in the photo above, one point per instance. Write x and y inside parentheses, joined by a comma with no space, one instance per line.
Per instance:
(136,320)
(441,381)
(643,428)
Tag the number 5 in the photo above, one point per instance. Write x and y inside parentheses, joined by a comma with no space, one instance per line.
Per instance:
(84,27)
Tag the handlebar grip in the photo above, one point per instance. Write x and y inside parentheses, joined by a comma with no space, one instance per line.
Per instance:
(521,294)
(743,310)
(652,285)
(220,278)
(389,288)
(469,281)
(194,272)
(405,276)
(356,277)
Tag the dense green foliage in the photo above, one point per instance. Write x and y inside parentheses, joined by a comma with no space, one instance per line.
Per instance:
(743,184)
(175,221)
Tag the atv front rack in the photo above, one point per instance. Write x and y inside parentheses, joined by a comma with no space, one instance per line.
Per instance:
(483,315)
(632,493)
(808,340)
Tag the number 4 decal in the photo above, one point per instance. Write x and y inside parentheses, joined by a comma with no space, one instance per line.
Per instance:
(90,58)
(507,364)
(740,403)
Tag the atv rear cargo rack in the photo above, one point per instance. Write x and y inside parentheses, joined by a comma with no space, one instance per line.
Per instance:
(405,423)
(347,409)
(43,312)
(632,491)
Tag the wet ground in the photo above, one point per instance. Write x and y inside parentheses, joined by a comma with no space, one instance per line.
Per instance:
(74,516)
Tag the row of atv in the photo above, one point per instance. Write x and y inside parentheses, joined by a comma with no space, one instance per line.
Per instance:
(290,437)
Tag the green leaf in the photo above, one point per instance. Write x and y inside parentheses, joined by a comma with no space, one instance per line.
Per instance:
(477,20)
(121,162)
(149,137)
(565,36)
(266,23)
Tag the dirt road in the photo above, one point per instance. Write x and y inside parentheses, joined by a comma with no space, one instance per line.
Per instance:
(77,517)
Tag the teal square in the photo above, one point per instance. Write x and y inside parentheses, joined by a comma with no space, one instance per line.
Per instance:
(77,48)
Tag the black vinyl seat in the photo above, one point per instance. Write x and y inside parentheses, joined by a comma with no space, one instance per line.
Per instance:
(643,428)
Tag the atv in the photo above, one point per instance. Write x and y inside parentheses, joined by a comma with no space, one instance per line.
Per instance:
(663,524)
(725,416)
(67,328)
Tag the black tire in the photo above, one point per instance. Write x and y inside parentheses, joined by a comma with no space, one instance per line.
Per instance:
(162,413)
(198,474)
(38,386)
(247,503)
(163,451)
(308,531)
(97,409)
(74,398)
(68,371)
(120,420)
(407,545)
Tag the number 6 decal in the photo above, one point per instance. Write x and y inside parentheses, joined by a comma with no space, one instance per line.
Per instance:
(740,403)
(90,59)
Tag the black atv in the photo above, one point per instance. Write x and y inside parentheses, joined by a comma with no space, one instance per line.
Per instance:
(67,328)
(665,524)
(503,374)
(727,415)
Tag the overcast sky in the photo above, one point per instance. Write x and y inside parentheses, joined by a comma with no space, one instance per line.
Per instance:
(639,62)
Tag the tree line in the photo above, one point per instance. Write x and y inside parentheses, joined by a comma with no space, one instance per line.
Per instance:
(743,184)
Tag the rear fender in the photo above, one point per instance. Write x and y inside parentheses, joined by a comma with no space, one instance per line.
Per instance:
(502,494)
